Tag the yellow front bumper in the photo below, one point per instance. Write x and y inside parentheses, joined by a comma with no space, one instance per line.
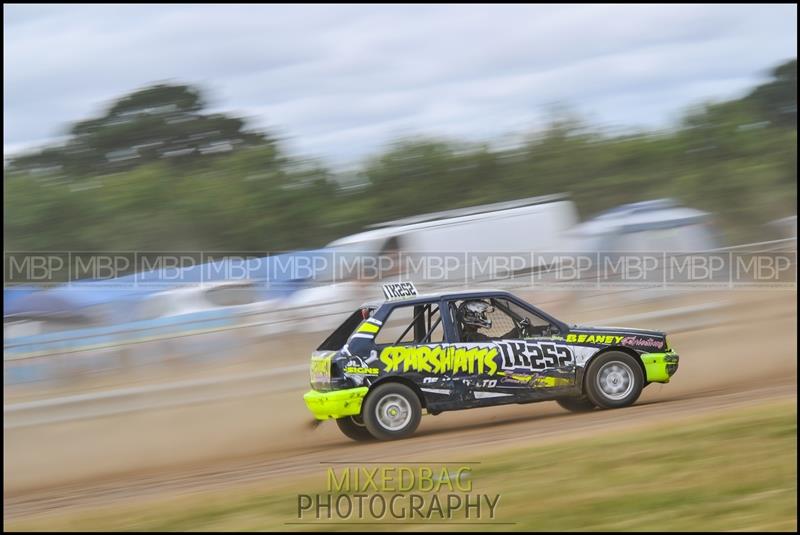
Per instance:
(335,404)
(660,367)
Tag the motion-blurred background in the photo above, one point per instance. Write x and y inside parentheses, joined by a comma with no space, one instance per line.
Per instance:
(211,154)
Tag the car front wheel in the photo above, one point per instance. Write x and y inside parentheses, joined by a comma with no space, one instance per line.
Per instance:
(613,380)
(391,411)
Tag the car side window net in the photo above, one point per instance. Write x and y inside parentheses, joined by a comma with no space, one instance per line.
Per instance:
(502,322)
(508,320)
(537,325)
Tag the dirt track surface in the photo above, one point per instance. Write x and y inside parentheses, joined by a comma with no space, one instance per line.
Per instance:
(268,437)
(465,444)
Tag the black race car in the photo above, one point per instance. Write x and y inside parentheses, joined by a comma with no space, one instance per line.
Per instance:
(391,359)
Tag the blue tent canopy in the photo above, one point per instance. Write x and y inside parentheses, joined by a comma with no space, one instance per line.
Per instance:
(14,293)
(274,276)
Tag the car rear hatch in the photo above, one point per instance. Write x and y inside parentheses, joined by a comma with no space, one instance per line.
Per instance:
(323,371)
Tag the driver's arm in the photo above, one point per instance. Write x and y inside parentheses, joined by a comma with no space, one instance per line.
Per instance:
(519,330)
(513,333)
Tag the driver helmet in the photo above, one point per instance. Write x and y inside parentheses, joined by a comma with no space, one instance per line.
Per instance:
(474,313)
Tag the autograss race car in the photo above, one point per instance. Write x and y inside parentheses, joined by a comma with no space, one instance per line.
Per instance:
(392,359)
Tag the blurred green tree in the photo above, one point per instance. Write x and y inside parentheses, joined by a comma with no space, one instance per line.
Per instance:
(161,122)
(777,100)
(736,159)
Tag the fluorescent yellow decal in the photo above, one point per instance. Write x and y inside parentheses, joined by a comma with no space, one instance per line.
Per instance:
(606,339)
(440,359)
(368,328)
(365,371)
(548,382)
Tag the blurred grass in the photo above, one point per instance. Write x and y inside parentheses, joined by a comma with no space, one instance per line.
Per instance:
(734,471)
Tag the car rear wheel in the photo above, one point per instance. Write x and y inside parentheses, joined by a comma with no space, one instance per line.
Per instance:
(392,411)
(581,404)
(613,380)
(353,427)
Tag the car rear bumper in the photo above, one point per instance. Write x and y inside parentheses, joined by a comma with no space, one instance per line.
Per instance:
(659,367)
(335,404)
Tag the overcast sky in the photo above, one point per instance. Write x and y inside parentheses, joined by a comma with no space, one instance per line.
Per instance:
(339,82)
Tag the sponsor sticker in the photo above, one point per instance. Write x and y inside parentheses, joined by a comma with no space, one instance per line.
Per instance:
(320,369)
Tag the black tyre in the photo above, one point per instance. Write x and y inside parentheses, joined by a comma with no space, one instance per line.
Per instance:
(581,404)
(613,380)
(391,411)
(353,427)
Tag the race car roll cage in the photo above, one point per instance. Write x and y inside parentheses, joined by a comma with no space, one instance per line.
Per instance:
(452,331)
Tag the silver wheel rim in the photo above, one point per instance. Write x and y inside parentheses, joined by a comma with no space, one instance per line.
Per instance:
(615,380)
(393,412)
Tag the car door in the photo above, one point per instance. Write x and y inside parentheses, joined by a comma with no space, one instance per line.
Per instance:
(410,340)
(473,365)
(534,347)
(532,359)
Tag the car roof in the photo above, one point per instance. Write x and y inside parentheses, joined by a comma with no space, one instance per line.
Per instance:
(431,297)
(471,210)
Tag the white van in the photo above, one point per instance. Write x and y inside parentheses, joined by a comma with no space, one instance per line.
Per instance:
(520,226)
(467,236)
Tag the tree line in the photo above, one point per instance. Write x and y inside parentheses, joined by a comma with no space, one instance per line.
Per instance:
(157,172)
